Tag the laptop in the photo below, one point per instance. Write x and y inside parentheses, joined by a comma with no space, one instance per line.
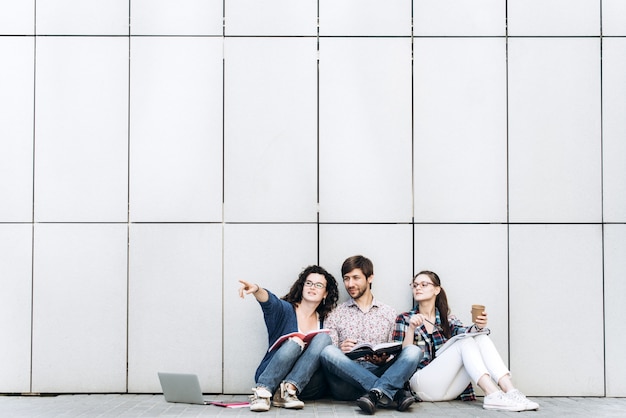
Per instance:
(182,388)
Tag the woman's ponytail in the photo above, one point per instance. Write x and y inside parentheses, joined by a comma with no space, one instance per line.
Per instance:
(441,302)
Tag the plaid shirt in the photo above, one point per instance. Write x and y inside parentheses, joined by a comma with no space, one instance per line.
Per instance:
(429,343)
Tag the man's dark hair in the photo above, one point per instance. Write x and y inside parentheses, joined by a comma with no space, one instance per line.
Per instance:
(358,262)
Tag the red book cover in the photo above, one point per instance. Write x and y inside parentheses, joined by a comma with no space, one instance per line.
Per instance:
(230,404)
(306,337)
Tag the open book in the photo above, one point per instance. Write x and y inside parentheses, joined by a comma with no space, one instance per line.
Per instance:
(364,349)
(306,337)
(457,337)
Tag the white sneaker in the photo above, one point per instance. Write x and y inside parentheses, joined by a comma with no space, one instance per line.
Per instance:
(521,398)
(260,399)
(286,398)
(499,401)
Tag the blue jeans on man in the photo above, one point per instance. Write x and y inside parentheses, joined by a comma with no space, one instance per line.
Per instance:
(363,376)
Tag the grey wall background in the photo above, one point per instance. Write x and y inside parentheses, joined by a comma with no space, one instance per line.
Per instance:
(153,152)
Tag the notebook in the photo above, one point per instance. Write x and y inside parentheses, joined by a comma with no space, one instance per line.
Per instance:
(181,387)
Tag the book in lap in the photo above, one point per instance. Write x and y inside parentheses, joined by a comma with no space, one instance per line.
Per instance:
(458,337)
(366,349)
(304,336)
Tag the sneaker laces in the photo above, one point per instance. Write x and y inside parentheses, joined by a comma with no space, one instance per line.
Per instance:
(259,395)
(502,398)
(520,397)
(289,394)
(517,395)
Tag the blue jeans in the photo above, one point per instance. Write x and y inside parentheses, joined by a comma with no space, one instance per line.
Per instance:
(292,365)
(363,376)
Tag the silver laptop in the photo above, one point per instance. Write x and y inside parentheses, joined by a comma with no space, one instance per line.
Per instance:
(181,387)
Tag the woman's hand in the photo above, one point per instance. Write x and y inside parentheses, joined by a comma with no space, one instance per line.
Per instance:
(247,288)
(481,321)
(299,341)
(258,292)
(416,321)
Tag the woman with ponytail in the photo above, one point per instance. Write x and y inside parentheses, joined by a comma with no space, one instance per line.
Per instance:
(448,375)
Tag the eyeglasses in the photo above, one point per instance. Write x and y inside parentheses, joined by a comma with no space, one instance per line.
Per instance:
(318,285)
(422,284)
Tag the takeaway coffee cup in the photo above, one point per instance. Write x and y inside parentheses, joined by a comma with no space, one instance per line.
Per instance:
(477,310)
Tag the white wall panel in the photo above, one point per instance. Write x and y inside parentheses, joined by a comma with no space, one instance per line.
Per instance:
(272,256)
(460,161)
(614,128)
(175,17)
(554,130)
(17,17)
(81,129)
(176,130)
(365,18)
(175,304)
(429,146)
(613,17)
(459,17)
(556,309)
(271,17)
(365,130)
(15,307)
(79,308)
(471,261)
(271,130)
(17,76)
(553,17)
(82,17)
(387,246)
(615,309)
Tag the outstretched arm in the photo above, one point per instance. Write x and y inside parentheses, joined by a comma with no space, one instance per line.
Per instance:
(259,293)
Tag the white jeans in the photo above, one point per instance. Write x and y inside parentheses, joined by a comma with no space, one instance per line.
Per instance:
(447,376)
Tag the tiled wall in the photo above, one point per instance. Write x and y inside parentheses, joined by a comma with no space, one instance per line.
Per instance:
(153,152)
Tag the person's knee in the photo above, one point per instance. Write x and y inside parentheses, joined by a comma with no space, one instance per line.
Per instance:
(472,341)
(321,340)
(413,353)
(326,354)
(467,344)
(331,355)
